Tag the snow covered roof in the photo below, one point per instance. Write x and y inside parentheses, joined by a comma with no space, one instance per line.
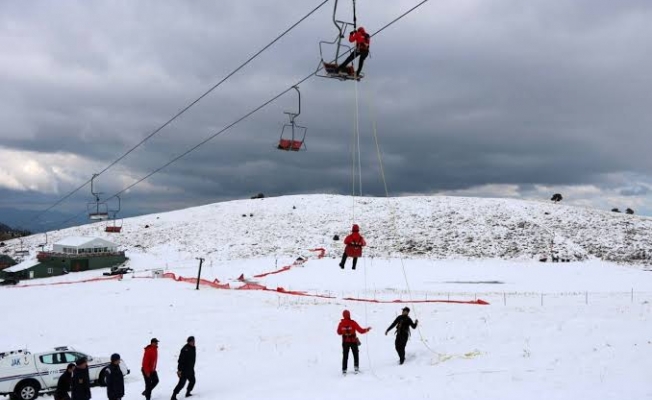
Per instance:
(27,263)
(81,241)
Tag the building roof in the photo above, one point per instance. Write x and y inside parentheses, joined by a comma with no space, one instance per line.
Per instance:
(28,263)
(80,241)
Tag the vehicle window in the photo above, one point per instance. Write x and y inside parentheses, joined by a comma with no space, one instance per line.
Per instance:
(47,359)
(54,358)
(72,357)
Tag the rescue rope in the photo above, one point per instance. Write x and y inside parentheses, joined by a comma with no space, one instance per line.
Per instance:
(366,321)
(393,223)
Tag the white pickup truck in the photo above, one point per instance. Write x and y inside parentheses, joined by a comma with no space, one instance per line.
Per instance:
(23,375)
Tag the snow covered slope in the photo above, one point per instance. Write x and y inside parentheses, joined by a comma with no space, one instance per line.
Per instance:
(417,227)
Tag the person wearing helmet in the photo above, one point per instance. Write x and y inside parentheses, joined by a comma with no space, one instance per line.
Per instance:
(115,381)
(402,323)
(354,244)
(362,41)
(350,342)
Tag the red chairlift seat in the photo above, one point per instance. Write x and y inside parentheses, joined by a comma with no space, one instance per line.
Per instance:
(293,136)
(347,74)
(290,145)
(113,229)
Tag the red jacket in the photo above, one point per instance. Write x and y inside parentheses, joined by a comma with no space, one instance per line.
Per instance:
(150,358)
(348,328)
(361,39)
(354,244)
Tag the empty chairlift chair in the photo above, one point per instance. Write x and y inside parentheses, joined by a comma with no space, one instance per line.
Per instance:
(113,226)
(293,136)
(97,210)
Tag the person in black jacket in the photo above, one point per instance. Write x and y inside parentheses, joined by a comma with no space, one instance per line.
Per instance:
(63,384)
(186,368)
(403,323)
(81,382)
(115,381)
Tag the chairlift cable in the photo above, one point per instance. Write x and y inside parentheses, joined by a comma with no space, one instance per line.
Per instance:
(253,111)
(181,112)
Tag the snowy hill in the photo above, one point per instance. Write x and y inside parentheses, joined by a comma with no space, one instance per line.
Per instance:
(417,227)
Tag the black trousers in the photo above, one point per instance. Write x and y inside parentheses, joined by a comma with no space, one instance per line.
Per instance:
(185,376)
(363,55)
(61,396)
(150,383)
(353,347)
(400,343)
(344,257)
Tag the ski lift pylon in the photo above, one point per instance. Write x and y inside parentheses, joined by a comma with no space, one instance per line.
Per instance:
(114,227)
(97,210)
(293,136)
(331,67)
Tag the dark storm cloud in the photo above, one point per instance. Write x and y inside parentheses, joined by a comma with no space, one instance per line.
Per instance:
(507,92)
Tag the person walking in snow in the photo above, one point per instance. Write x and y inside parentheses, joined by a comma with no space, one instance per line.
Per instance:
(115,381)
(403,323)
(354,244)
(81,381)
(64,383)
(350,342)
(150,358)
(186,368)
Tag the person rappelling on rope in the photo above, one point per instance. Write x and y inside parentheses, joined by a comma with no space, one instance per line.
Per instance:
(354,244)
(403,323)
(362,41)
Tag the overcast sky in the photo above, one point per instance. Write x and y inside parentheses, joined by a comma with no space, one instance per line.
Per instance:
(501,98)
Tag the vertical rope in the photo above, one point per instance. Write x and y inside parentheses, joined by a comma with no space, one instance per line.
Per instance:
(357,134)
(394,224)
(353,153)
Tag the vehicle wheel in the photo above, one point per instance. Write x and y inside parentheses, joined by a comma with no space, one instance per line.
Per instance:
(101,380)
(27,391)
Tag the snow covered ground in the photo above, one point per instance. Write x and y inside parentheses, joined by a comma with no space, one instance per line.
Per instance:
(433,227)
(254,344)
(551,331)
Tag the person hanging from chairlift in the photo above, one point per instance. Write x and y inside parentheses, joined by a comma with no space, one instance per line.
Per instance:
(362,41)
(354,244)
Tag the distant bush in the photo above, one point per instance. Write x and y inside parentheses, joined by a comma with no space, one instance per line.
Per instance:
(258,196)
(615,210)
(630,211)
(557,197)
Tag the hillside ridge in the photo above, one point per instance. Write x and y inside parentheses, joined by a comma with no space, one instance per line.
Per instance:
(434,227)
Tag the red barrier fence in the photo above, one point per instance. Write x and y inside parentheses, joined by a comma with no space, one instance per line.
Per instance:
(284,269)
(204,282)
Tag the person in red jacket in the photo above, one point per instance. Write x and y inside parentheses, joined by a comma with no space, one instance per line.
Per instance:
(150,358)
(362,41)
(347,329)
(354,244)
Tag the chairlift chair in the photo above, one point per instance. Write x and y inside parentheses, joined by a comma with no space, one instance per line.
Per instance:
(293,136)
(331,68)
(114,227)
(97,210)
